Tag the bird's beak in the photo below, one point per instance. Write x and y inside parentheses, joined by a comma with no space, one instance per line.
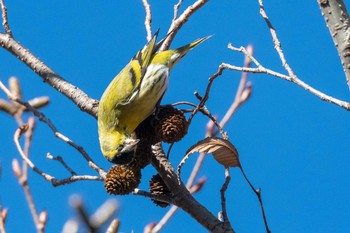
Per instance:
(129,146)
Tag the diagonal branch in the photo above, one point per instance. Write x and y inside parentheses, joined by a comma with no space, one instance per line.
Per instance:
(182,197)
(81,99)
(338,22)
(5,23)
(180,21)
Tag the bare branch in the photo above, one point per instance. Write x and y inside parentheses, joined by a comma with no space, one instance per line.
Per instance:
(258,194)
(55,182)
(262,70)
(291,75)
(161,198)
(42,118)
(182,196)
(176,9)
(5,23)
(46,176)
(22,179)
(64,164)
(338,23)
(276,40)
(223,198)
(207,91)
(148,19)
(81,99)
(27,143)
(166,218)
(180,21)
(15,109)
(243,91)
(16,137)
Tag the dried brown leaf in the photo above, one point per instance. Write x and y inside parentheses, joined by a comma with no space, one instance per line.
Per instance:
(222,150)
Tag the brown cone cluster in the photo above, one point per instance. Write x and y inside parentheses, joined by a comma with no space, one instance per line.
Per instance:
(158,187)
(168,125)
(122,179)
(171,124)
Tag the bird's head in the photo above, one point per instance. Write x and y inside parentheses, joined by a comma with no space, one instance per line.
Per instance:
(118,148)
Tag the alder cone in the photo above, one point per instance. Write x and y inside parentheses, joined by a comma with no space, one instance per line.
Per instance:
(122,179)
(158,187)
(171,124)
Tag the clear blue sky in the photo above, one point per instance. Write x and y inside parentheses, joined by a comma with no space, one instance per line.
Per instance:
(291,144)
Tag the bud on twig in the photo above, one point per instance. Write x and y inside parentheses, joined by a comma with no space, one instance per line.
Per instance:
(15,87)
(16,168)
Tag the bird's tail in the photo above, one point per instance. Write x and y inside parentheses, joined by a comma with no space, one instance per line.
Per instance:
(196,42)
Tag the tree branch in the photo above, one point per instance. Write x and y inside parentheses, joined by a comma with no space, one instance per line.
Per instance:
(4,18)
(262,70)
(292,77)
(148,19)
(337,20)
(182,196)
(23,181)
(81,99)
(180,21)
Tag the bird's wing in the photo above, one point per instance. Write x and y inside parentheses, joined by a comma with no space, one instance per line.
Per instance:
(127,88)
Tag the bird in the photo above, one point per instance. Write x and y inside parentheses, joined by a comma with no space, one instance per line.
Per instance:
(133,95)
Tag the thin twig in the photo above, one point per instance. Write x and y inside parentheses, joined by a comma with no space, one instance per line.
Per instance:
(258,194)
(15,109)
(161,198)
(5,23)
(52,179)
(243,91)
(27,143)
(176,9)
(223,198)
(76,178)
(148,19)
(24,183)
(262,70)
(180,21)
(16,138)
(276,41)
(207,91)
(42,118)
(64,164)
(292,77)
